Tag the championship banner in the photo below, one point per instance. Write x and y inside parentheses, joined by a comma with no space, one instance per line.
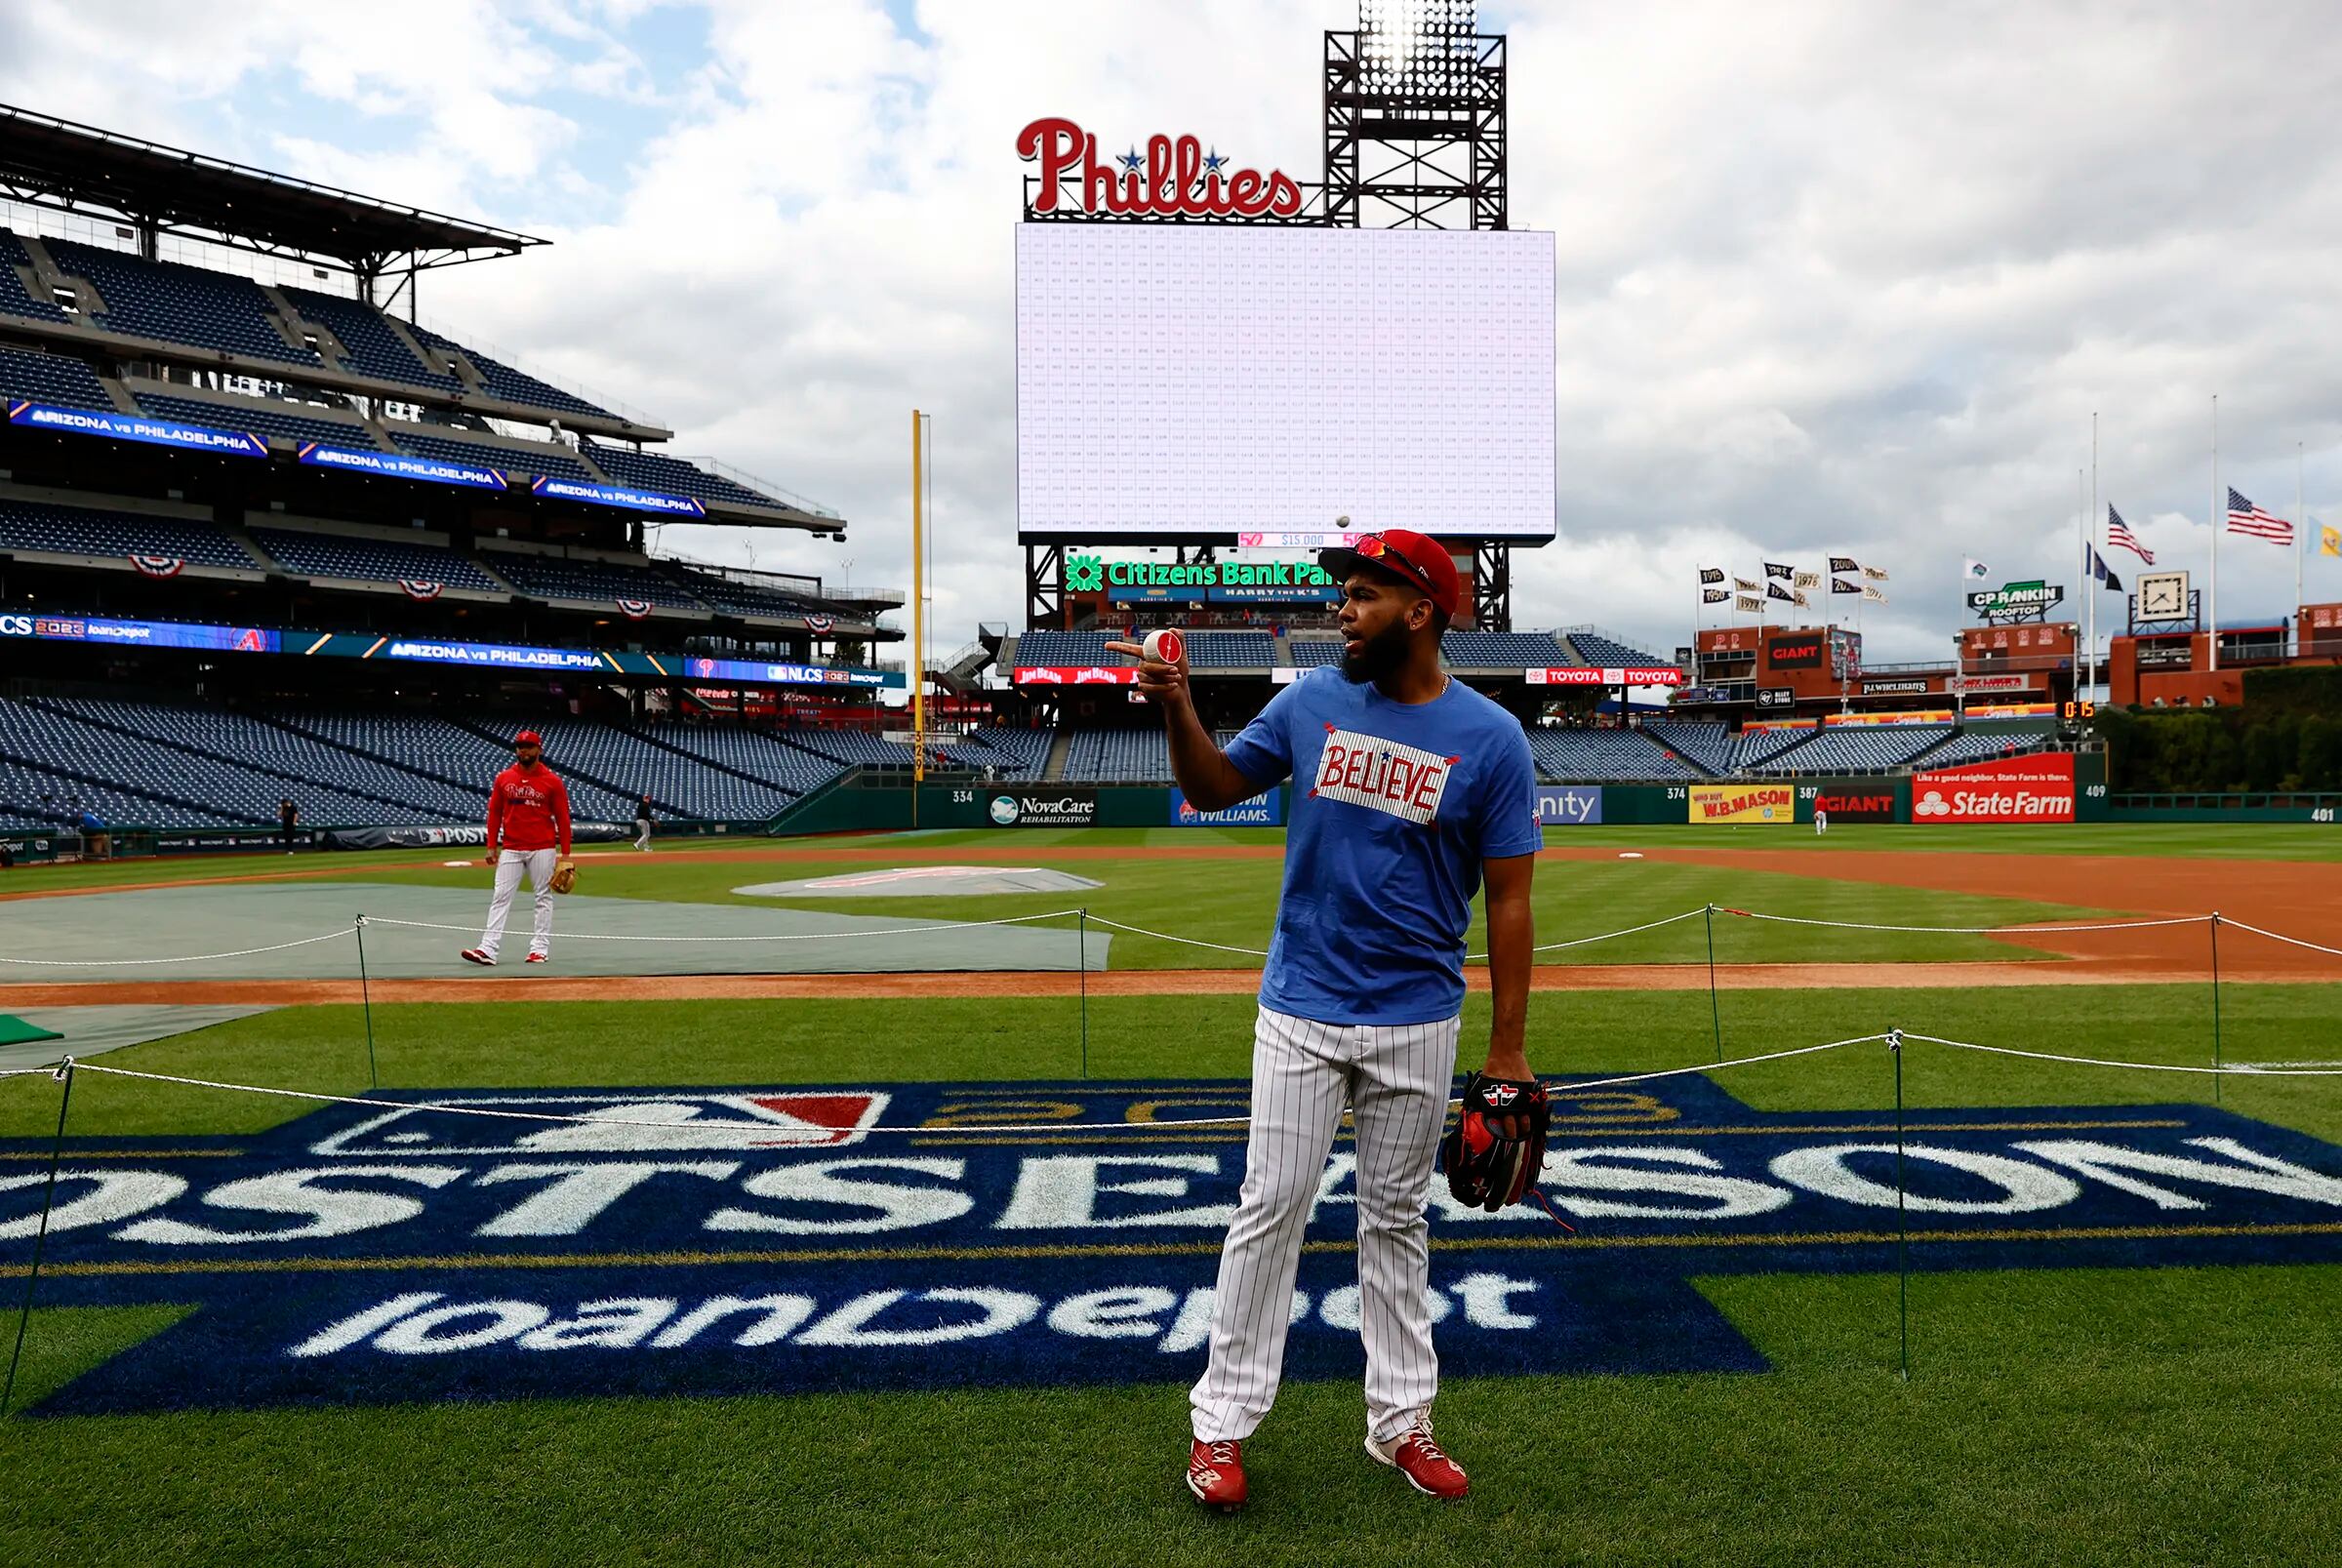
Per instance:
(624,497)
(2014,789)
(1735,804)
(399,465)
(139,427)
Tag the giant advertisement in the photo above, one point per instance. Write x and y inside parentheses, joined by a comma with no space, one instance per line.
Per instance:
(1567,805)
(1413,385)
(1738,804)
(1264,810)
(1852,800)
(2036,789)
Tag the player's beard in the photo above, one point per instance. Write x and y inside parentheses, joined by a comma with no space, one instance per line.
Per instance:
(1375,658)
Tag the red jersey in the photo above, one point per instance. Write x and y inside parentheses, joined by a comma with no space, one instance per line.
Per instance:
(528,808)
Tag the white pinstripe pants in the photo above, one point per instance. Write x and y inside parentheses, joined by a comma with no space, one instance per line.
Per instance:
(1394,1078)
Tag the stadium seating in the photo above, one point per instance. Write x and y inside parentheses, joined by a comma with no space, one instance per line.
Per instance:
(783,767)
(633,765)
(38,798)
(1858,746)
(503,382)
(374,349)
(1603,653)
(424,743)
(180,304)
(1230,650)
(742,599)
(27,525)
(50,378)
(1118,756)
(656,470)
(1307,652)
(1705,742)
(16,299)
(587,580)
(1013,753)
(1068,648)
(1981,746)
(1753,748)
(262,419)
(1584,756)
(1501,649)
(851,747)
(544,460)
(371,561)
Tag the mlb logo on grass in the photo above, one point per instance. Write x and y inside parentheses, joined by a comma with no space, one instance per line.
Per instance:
(612,1123)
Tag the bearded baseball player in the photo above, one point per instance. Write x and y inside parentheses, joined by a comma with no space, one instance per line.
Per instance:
(528,819)
(1410,790)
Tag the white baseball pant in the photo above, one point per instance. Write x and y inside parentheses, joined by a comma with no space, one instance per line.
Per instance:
(642,840)
(509,865)
(1395,1079)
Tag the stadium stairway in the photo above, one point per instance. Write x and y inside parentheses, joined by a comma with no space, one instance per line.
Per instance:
(1061,747)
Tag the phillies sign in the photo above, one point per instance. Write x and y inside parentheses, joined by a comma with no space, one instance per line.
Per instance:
(1174,178)
(2014,789)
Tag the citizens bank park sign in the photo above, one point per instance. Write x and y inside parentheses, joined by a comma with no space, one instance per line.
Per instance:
(776,1239)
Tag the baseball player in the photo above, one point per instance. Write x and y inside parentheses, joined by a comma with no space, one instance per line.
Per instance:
(642,824)
(1409,791)
(527,821)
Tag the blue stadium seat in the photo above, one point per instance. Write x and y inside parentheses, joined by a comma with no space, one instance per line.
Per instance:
(1014,754)
(51,378)
(1705,742)
(587,579)
(290,420)
(850,747)
(1857,747)
(1310,652)
(747,598)
(1118,756)
(1230,650)
(371,561)
(544,460)
(179,304)
(1068,648)
(16,299)
(511,385)
(1501,649)
(373,348)
(656,470)
(784,768)
(1604,654)
(1590,755)
(1981,744)
(633,765)
(27,525)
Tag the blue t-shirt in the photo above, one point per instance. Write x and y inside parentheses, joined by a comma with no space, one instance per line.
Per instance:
(1394,807)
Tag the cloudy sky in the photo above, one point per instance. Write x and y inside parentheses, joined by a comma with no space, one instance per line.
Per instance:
(1832,278)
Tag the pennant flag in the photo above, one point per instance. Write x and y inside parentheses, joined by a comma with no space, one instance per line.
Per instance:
(820,624)
(1844,563)
(1876,574)
(2243,517)
(1974,571)
(1776,568)
(635,609)
(1799,600)
(1749,606)
(2330,541)
(1838,587)
(2119,536)
(1744,586)
(1709,574)
(1775,590)
(159,565)
(421,589)
(1874,595)
(1807,579)
(1713,595)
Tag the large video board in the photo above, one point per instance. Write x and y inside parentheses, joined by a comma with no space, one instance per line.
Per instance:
(1211,378)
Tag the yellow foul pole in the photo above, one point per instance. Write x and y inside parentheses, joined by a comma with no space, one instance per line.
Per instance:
(918,608)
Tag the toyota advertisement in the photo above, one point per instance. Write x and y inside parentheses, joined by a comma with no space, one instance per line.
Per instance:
(2014,789)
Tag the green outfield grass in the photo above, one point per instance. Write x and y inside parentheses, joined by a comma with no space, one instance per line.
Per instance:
(2102,1417)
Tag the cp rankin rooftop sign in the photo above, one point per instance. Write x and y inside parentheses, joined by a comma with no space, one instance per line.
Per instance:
(1174,178)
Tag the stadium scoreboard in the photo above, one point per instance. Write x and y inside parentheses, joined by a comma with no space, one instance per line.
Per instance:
(1202,381)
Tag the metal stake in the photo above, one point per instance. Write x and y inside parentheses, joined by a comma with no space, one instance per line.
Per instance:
(1716,1018)
(366,1001)
(1894,1046)
(1082,967)
(40,1238)
(2216,1076)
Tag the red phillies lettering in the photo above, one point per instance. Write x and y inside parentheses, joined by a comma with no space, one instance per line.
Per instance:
(1172,181)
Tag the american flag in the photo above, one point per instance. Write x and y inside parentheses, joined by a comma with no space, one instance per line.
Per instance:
(2119,536)
(2243,517)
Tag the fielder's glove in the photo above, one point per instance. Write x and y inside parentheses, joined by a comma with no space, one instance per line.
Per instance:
(1485,1169)
(565,878)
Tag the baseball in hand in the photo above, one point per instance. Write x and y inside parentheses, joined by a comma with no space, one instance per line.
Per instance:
(1165,646)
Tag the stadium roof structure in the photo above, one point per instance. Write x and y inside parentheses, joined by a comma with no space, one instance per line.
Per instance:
(47,162)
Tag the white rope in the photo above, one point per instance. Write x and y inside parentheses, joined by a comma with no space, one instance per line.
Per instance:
(183,958)
(790,936)
(1185,942)
(1580,942)
(1262,953)
(1570,1086)
(1864,925)
(2272,936)
(2131,1066)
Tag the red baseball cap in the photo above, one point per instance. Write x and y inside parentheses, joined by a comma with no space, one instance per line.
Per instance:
(1416,557)
(528,737)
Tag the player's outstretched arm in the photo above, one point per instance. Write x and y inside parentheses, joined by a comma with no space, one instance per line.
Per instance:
(1210,781)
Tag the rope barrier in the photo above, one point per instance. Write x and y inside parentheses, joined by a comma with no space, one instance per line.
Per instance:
(183,958)
(1970,931)
(778,936)
(2131,1066)
(2274,936)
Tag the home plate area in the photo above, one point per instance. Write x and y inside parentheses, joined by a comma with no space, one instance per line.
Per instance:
(777,1239)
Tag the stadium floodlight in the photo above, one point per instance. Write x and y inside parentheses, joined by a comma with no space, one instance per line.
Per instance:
(1414,42)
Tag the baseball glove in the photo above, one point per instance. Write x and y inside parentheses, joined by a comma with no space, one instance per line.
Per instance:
(565,878)
(1485,1169)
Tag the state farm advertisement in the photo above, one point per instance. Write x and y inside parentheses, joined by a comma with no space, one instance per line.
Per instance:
(2016,789)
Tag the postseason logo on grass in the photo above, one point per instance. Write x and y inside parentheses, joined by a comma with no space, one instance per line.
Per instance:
(775,1239)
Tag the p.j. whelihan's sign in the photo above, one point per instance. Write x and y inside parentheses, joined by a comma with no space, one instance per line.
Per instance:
(1174,178)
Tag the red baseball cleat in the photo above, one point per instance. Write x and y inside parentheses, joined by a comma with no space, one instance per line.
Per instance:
(540,958)
(1427,1467)
(475,956)
(1216,1474)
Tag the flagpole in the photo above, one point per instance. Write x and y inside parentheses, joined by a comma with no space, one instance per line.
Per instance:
(2301,537)
(2089,585)
(2096,583)
(2218,513)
